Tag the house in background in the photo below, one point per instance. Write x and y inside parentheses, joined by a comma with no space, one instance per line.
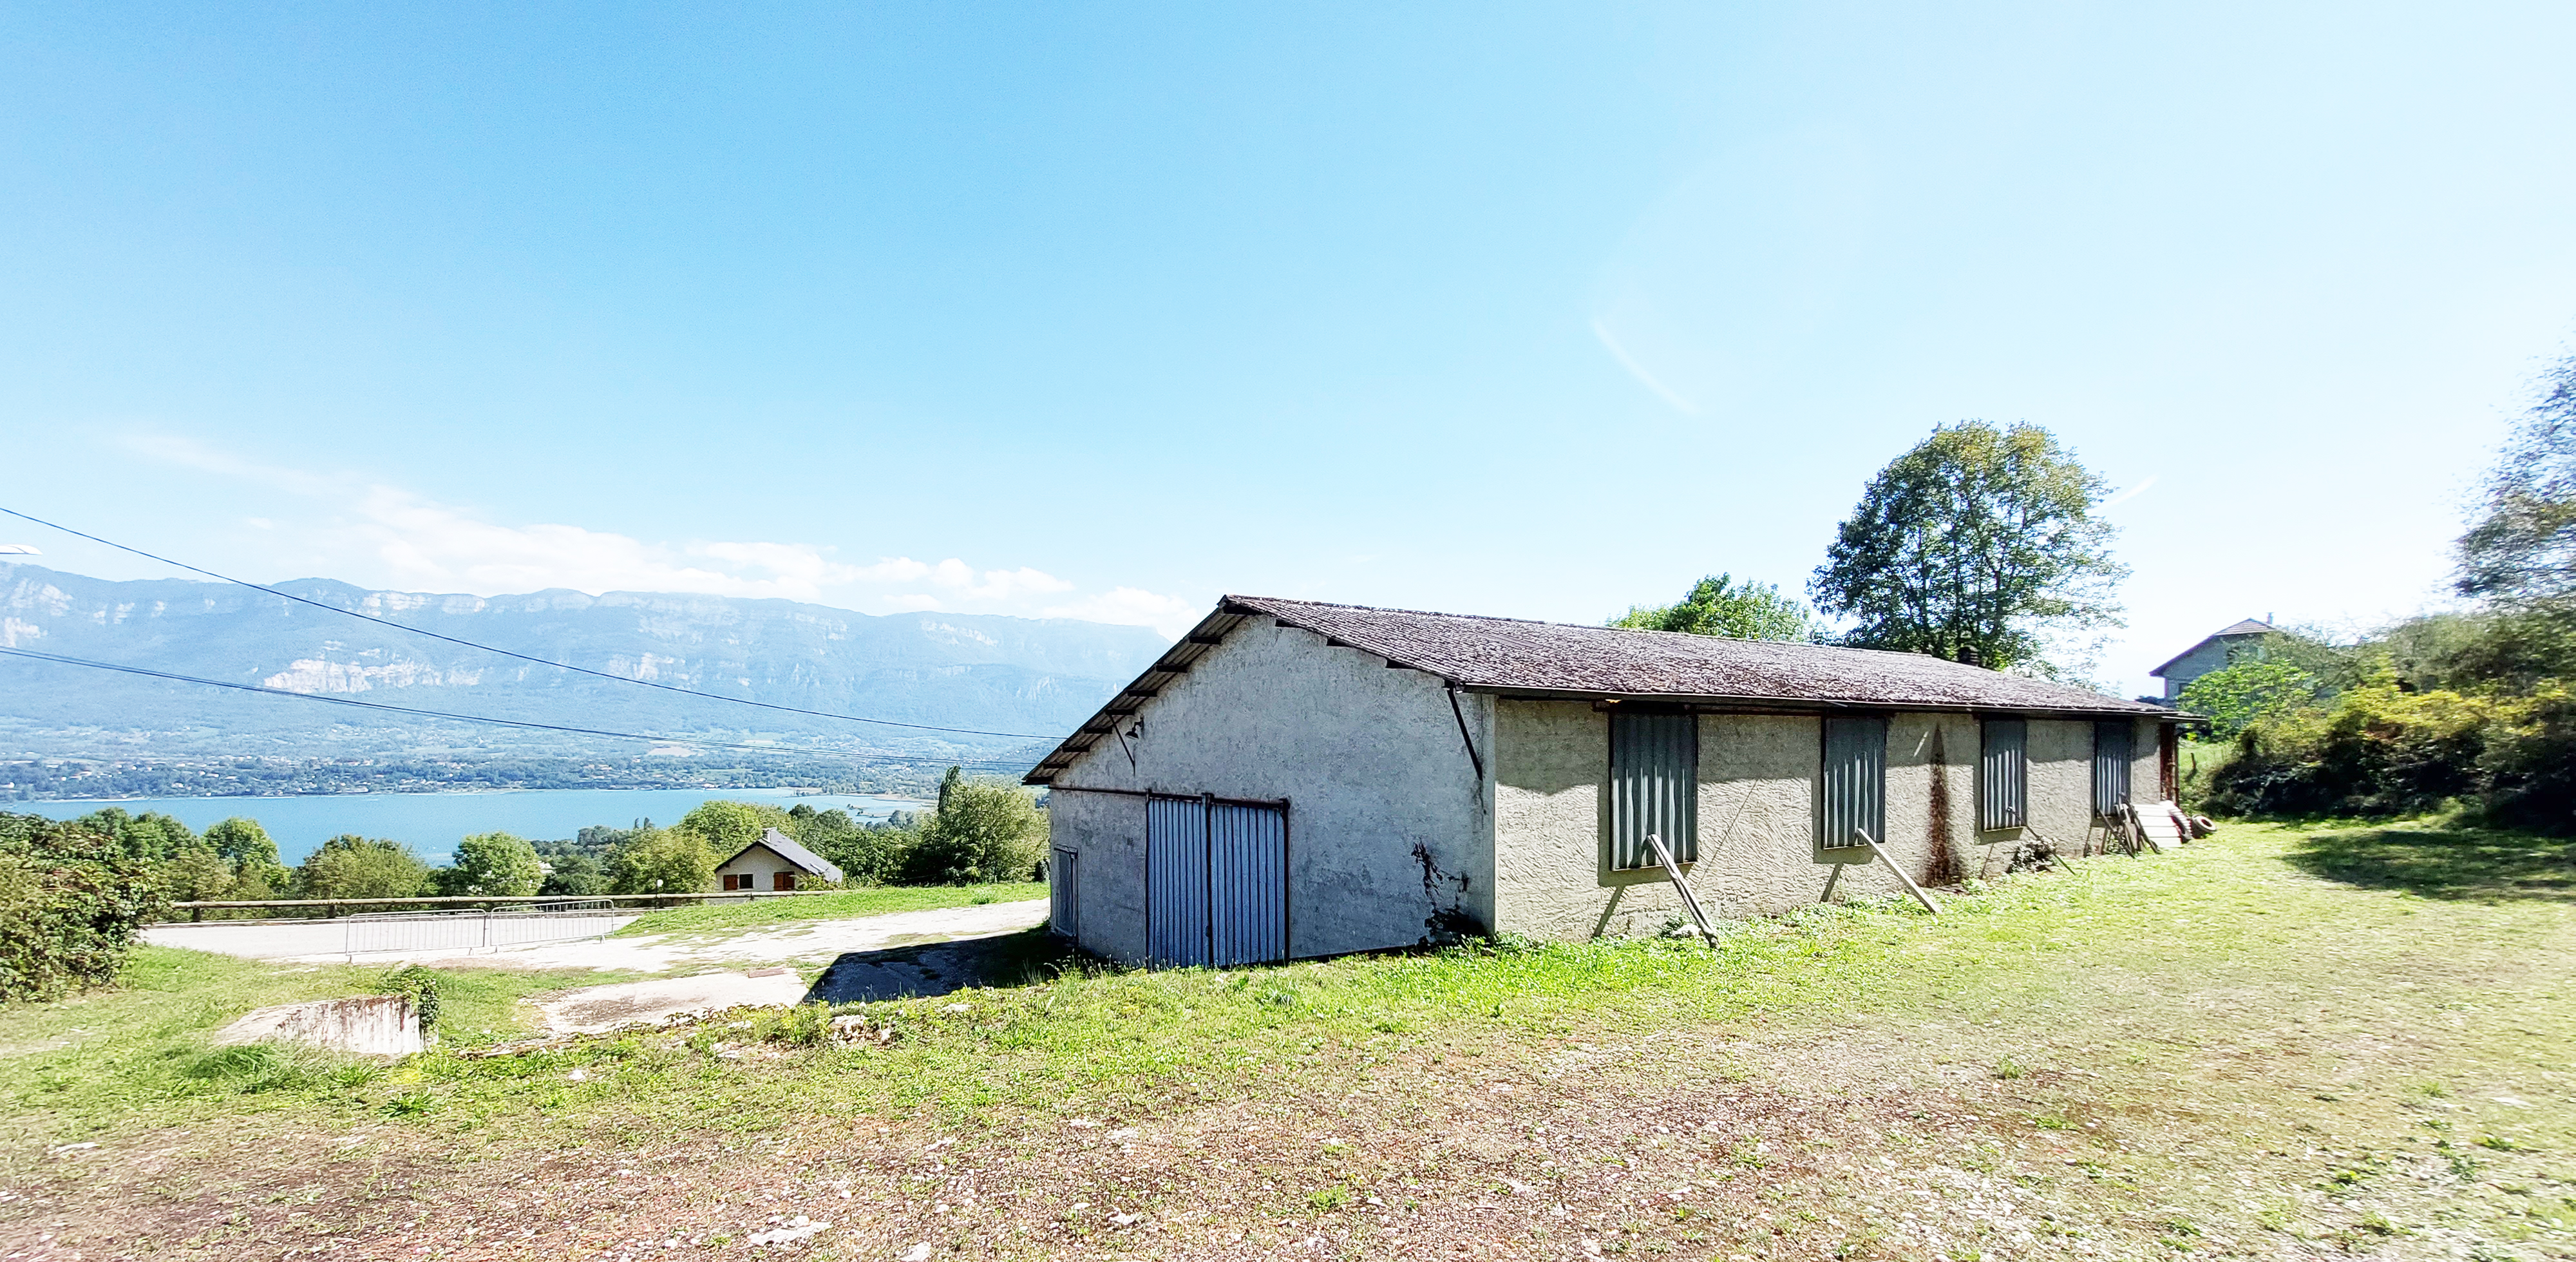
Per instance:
(775,862)
(1298,779)
(2213,653)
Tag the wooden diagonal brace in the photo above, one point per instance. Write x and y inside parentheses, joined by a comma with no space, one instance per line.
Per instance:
(1664,855)
(1890,861)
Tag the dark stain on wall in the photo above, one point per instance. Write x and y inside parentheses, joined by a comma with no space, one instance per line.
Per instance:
(1942,868)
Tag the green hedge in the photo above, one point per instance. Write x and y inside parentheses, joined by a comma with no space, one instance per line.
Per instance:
(71,903)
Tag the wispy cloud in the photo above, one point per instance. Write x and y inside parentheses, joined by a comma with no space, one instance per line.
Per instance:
(2130,494)
(391,536)
(1638,370)
(1133,606)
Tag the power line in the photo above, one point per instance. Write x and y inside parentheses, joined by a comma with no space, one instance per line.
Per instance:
(59,659)
(623,679)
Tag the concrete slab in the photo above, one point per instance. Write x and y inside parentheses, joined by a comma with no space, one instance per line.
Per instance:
(368,1025)
(914,972)
(599,1009)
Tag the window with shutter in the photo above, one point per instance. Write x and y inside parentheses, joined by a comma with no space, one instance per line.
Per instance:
(2003,775)
(2111,754)
(1654,787)
(1852,792)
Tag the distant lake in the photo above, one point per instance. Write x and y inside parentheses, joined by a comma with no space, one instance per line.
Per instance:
(432,823)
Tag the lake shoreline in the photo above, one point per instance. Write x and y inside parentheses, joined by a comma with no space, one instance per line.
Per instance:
(431,823)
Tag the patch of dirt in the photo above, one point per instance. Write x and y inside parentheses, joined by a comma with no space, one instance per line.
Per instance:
(1885,1140)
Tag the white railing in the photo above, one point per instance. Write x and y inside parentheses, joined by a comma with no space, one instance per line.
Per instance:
(379,933)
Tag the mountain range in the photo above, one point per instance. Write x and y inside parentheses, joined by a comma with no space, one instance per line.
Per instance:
(1030,677)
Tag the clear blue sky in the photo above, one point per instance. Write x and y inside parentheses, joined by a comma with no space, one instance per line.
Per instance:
(1106,310)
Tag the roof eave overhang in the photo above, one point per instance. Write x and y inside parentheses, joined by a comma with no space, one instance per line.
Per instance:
(1172,665)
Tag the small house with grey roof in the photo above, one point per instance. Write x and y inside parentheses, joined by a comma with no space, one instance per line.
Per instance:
(1296,779)
(2216,651)
(775,862)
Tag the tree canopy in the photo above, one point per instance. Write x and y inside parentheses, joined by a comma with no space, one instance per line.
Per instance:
(496,864)
(1981,540)
(662,861)
(2249,691)
(2521,549)
(350,866)
(1721,606)
(984,830)
(727,827)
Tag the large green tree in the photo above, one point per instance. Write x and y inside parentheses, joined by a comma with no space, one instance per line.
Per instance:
(350,866)
(727,827)
(1981,542)
(1721,606)
(151,836)
(496,864)
(662,861)
(251,854)
(2521,549)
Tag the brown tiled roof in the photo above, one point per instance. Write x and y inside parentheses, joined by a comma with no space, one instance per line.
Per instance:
(1510,655)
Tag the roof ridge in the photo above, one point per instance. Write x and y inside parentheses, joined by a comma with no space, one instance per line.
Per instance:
(1419,613)
(1585,626)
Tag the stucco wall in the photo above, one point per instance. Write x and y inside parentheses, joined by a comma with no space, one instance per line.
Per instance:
(1757,815)
(1931,802)
(2061,777)
(1368,758)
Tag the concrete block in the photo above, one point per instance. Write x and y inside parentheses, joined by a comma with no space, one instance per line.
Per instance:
(366,1025)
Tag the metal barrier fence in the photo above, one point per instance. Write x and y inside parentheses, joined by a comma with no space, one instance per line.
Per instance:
(377,933)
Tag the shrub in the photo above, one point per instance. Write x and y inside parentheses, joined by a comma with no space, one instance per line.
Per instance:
(418,984)
(71,902)
(2256,690)
(2378,751)
(2530,761)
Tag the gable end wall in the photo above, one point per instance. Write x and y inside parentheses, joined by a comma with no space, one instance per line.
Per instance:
(1388,825)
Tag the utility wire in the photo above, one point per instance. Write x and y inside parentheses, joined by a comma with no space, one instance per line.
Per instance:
(623,679)
(59,659)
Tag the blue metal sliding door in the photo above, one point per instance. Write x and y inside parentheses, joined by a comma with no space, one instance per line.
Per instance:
(1247,884)
(1216,878)
(1176,880)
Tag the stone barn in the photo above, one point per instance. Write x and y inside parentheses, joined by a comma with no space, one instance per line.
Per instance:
(1298,779)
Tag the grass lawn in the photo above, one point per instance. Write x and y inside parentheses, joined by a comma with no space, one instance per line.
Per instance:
(760,912)
(2278,1042)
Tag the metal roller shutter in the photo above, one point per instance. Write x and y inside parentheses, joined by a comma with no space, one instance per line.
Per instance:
(1853,793)
(1654,787)
(2003,775)
(2111,753)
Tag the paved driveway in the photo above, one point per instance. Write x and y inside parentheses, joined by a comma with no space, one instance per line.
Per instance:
(812,942)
